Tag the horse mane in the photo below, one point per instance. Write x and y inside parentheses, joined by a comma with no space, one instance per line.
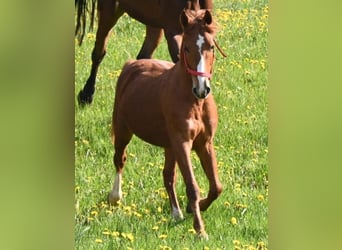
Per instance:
(82,8)
(196,18)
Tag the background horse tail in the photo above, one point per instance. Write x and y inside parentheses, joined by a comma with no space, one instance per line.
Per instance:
(83,7)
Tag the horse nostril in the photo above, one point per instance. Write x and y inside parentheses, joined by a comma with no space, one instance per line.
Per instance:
(207,90)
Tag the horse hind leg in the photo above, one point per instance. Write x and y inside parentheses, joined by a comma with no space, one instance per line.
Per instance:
(169,174)
(108,13)
(122,138)
(153,37)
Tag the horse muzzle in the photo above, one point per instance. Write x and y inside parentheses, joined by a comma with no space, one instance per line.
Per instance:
(202,89)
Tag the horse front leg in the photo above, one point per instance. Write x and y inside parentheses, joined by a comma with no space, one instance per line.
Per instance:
(153,37)
(182,153)
(207,157)
(169,174)
(108,13)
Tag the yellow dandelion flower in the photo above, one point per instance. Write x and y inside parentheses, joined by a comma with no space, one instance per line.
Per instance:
(227,204)
(128,236)
(236,242)
(260,197)
(155,228)
(106,233)
(162,236)
(137,214)
(233,220)
(206,248)
(192,231)
(159,209)
(98,241)
(95,213)
(127,208)
(115,234)
(165,248)
(109,212)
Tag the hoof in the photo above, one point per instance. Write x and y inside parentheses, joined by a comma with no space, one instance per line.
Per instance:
(202,235)
(177,215)
(84,99)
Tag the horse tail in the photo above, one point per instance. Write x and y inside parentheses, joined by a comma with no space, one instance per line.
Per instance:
(83,7)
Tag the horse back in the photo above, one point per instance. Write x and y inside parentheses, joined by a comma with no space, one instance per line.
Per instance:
(138,100)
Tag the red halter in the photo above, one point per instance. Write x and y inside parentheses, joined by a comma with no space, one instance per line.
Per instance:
(194,72)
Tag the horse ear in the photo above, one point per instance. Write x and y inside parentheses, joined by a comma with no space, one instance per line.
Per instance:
(184,19)
(207,17)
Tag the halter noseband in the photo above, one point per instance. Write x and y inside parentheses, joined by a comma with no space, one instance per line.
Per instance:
(194,72)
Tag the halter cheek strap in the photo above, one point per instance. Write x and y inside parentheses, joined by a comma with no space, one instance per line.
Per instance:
(194,72)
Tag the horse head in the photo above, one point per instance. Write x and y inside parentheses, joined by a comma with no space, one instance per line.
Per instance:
(197,50)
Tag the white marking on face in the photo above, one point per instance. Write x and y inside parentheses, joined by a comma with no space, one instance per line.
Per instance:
(202,81)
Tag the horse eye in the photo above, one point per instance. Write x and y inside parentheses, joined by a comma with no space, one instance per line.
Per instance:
(186,49)
(212,47)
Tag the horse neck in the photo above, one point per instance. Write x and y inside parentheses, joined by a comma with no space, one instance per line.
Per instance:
(183,84)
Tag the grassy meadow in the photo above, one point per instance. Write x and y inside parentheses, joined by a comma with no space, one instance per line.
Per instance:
(238,218)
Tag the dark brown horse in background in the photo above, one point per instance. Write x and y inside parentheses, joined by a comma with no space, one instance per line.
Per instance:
(157,15)
(171,106)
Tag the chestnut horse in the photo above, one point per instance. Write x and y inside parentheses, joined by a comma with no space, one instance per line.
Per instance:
(157,15)
(171,106)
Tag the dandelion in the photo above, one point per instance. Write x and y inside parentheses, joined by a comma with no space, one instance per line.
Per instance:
(137,214)
(236,242)
(98,241)
(227,204)
(159,209)
(192,231)
(115,234)
(89,219)
(94,213)
(128,236)
(233,220)
(206,248)
(155,228)
(109,212)
(162,236)
(165,248)
(260,197)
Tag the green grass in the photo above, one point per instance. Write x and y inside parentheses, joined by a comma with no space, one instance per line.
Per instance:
(143,220)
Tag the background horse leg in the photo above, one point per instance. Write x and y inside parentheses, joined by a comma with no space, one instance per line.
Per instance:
(207,157)
(108,12)
(153,37)
(122,138)
(174,41)
(169,174)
